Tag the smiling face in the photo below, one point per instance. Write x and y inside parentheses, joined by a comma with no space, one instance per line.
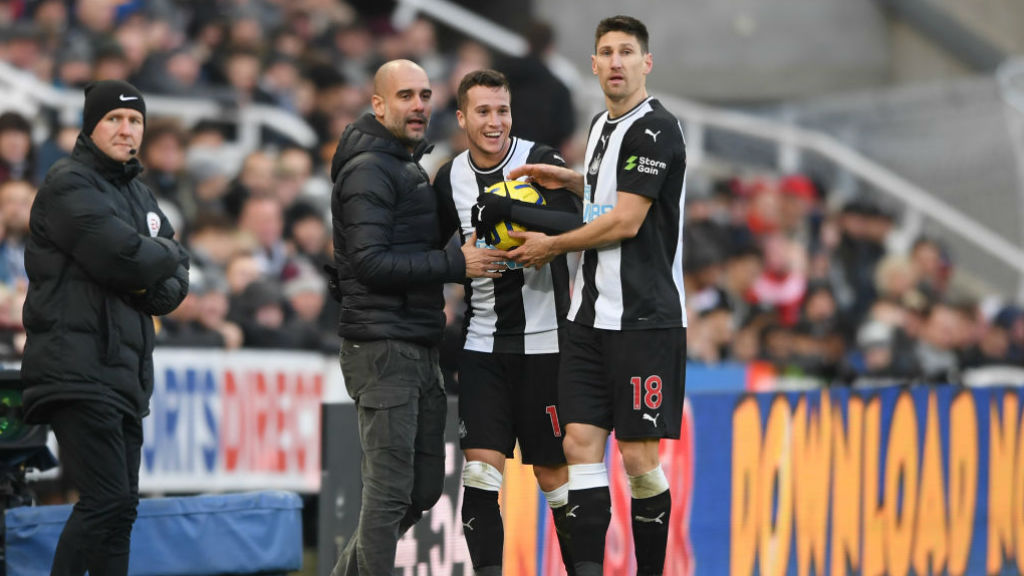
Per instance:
(401,101)
(621,67)
(119,132)
(487,120)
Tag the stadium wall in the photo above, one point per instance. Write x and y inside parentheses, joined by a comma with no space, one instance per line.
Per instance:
(895,480)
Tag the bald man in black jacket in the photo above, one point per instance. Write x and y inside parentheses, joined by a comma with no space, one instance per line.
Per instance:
(390,236)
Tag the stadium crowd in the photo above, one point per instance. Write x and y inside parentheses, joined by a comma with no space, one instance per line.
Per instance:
(776,269)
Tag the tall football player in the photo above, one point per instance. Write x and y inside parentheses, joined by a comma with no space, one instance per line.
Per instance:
(623,360)
(509,367)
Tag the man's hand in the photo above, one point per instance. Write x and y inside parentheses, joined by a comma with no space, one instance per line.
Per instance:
(536,250)
(550,177)
(483,262)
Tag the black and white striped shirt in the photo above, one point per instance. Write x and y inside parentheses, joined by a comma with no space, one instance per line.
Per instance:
(638,283)
(519,312)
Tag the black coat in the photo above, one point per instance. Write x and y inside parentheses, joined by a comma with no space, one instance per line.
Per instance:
(390,231)
(100,261)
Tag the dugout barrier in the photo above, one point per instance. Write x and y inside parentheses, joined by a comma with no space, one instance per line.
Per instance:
(251,533)
(888,479)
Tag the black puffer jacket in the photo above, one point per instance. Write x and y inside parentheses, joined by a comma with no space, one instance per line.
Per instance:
(389,238)
(100,259)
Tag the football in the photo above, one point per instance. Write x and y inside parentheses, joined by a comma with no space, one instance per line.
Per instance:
(498,236)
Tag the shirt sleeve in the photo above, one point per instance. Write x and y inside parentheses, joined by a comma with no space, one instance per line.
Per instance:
(647,153)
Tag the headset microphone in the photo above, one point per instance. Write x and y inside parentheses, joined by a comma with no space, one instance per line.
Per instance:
(133,151)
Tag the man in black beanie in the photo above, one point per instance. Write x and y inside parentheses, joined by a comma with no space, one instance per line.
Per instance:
(101,261)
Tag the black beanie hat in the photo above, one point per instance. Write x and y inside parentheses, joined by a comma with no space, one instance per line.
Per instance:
(106,95)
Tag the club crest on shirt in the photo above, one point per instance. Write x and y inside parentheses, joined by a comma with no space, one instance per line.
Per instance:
(595,163)
(153,223)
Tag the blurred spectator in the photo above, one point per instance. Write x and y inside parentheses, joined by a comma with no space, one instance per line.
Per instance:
(22,48)
(163,155)
(262,219)
(993,347)
(110,62)
(51,18)
(12,331)
(931,266)
(213,312)
(292,172)
(935,351)
(306,294)
(874,355)
(420,39)
(797,203)
(784,280)
(213,239)
(307,234)
(176,72)
(280,81)
(17,155)
(242,74)
(819,343)
(778,347)
(262,314)
(743,266)
(255,178)
(16,198)
(1011,319)
(544,107)
(183,327)
(357,55)
(241,270)
(894,277)
(715,331)
(863,228)
(59,144)
(72,69)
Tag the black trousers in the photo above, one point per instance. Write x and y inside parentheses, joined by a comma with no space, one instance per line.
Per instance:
(101,446)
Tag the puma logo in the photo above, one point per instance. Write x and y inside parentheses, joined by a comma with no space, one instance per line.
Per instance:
(469,525)
(572,511)
(646,520)
(653,419)
(653,135)
(604,139)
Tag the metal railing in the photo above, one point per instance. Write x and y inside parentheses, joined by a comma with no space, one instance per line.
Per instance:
(26,94)
(791,141)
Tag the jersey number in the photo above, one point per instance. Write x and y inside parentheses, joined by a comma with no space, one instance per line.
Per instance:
(649,392)
(556,429)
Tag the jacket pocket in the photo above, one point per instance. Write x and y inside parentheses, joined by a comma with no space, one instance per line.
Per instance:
(387,419)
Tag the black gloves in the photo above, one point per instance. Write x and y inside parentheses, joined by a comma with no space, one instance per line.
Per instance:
(166,295)
(491,209)
(169,292)
(488,211)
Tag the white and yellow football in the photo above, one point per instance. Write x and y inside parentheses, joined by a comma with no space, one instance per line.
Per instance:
(498,236)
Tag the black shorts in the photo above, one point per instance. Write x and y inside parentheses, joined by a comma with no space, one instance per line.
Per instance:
(632,381)
(504,397)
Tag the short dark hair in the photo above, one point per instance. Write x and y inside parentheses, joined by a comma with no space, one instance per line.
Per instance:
(625,24)
(486,77)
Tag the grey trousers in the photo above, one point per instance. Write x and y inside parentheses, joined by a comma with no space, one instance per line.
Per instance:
(401,405)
